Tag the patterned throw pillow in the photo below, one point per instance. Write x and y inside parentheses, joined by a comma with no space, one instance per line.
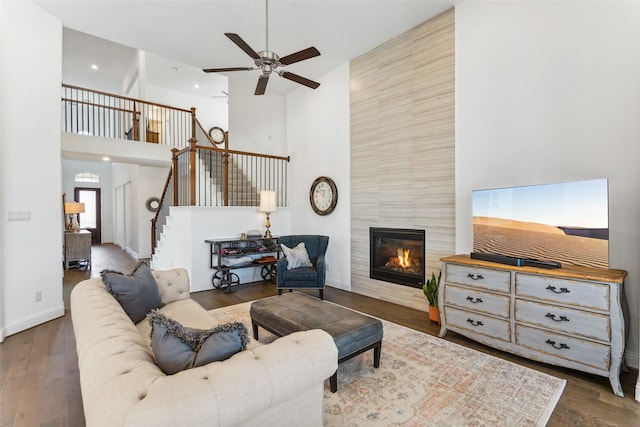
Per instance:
(177,347)
(296,257)
(137,293)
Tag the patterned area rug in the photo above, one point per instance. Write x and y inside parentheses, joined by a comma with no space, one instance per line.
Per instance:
(427,381)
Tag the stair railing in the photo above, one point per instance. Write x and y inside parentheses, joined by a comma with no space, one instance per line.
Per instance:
(206,175)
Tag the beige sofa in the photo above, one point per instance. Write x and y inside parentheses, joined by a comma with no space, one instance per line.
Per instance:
(277,384)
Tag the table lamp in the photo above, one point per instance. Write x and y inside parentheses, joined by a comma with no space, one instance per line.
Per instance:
(73,209)
(267,205)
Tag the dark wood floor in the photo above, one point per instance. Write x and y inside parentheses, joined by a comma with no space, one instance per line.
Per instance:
(39,367)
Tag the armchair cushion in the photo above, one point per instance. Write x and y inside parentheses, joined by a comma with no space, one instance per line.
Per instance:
(296,257)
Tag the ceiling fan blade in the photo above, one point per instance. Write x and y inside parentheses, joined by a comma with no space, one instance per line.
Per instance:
(242,45)
(307,53)
(222,70)
(299,79)
(262,85)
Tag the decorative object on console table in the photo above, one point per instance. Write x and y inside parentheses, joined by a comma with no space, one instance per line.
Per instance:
(572,317)
(430,289)
(267,205)
(73,209)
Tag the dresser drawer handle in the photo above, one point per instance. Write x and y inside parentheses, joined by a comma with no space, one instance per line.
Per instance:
(474,300)
(558,346)
(559,319)
(475,276)
(475,323)
(561,291)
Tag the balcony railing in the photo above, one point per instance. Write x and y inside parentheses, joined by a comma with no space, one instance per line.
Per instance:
(91,112)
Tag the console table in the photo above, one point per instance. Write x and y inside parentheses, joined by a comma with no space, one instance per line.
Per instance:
(570,316)
(230,254)
(77,247)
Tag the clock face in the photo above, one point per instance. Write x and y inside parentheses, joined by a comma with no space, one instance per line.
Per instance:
(323,195)
(216,134)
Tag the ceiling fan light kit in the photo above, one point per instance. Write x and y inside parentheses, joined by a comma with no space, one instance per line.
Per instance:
(268,61)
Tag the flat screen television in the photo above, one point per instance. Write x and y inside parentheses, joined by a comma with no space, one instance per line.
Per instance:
(565,222)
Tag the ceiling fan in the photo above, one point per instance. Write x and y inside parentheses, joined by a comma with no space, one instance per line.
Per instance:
(268,61)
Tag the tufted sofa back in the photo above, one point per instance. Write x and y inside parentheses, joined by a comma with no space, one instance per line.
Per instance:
(173,284)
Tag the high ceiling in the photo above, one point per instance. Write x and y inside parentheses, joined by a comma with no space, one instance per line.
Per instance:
(190,35)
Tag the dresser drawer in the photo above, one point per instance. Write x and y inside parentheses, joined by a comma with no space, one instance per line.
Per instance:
(477,323)
(472,299)
(571,292)
(573,349)
(562,319)
(485,278)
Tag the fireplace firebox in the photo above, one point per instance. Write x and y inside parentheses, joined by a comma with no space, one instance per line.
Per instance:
(397,255)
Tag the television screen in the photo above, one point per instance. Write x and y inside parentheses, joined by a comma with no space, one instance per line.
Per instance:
(565,222)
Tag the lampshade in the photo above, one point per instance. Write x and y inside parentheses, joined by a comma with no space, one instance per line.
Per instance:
(73,208)
(267,201)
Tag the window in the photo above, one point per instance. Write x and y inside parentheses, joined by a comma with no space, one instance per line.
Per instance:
(87,177)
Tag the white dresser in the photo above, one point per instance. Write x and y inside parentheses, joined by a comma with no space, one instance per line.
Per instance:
(571,316)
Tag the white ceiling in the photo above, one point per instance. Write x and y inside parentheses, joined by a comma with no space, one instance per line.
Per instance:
(190,35)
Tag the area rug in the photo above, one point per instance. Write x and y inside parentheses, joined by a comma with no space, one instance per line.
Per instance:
(427,381)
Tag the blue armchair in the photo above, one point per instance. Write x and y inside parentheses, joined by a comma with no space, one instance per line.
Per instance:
(304,277)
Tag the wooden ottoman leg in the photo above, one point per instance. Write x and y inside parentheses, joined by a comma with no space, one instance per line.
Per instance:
(333,382)
(254,325)
(376,354)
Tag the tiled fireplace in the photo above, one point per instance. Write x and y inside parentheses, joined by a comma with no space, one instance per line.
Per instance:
(397,255)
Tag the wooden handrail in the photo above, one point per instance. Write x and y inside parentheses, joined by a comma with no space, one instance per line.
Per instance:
(154,220)
(245,153)
(126,98)
(93,104)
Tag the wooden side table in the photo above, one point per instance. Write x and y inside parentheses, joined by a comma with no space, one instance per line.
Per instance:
(77,247)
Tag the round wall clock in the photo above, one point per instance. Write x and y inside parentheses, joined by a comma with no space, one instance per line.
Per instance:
(323,195)
(217,134)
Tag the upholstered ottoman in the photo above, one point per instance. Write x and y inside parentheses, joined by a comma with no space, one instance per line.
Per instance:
(353,333)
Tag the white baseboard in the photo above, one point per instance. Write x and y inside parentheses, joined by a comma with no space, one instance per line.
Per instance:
(31,321)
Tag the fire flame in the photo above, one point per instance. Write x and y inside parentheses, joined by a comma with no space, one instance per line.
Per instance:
(403,257)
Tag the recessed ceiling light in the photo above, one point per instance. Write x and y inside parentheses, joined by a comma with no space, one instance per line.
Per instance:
(94,67)
(196,86)
(106,159)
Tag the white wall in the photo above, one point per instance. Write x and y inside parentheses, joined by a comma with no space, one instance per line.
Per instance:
(318,143)
(31,178)
(145,182)
(103,169)
(257,123)
(550,92)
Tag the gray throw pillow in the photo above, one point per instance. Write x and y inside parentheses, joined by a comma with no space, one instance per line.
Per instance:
(296,257)
(137,293)
(177,347)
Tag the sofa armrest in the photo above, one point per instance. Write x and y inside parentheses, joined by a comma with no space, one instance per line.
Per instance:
(173,284)
(240,389)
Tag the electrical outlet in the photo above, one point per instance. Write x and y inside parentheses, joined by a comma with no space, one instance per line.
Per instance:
(326,266)
(38,296)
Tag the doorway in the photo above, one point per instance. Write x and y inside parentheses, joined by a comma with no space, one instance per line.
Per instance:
(91,218)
